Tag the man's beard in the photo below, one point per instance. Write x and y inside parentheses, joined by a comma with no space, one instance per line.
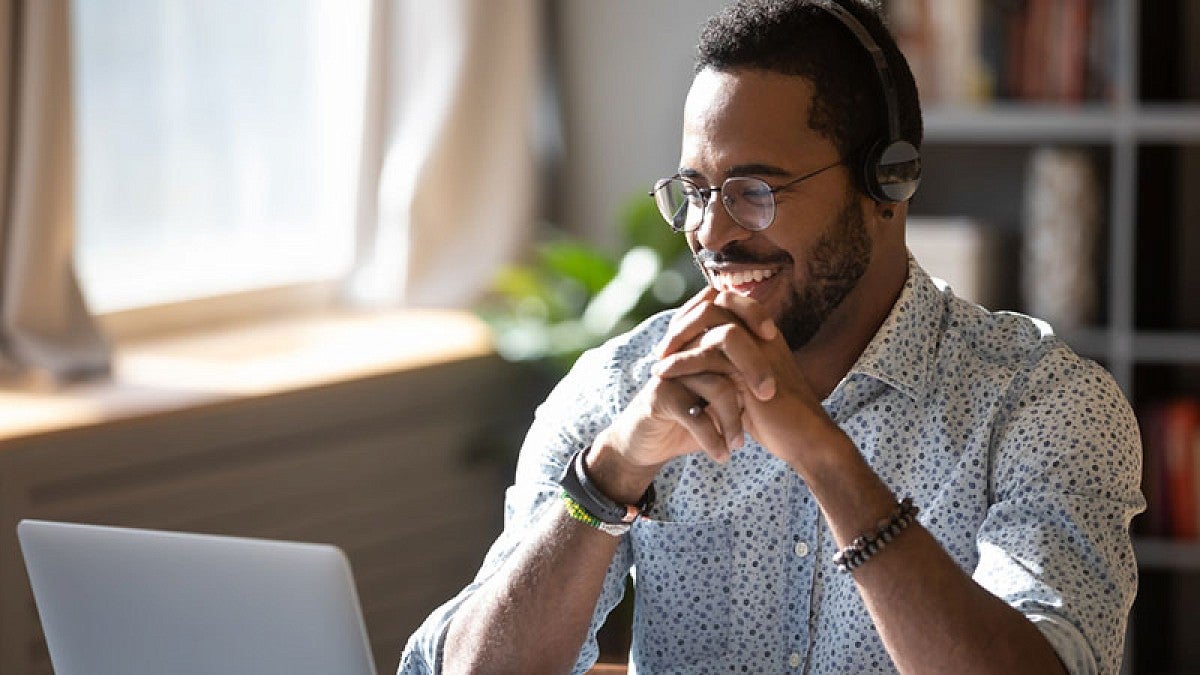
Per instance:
(838,260)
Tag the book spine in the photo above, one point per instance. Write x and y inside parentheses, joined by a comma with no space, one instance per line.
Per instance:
(1037,50)
(1179,444)
(1073,64)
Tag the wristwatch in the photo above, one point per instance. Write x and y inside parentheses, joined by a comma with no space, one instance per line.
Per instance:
(576,483)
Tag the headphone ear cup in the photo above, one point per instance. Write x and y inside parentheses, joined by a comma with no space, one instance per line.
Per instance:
(868,170)
(892,171)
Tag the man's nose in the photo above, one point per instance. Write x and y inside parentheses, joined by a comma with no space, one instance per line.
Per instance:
(718,228)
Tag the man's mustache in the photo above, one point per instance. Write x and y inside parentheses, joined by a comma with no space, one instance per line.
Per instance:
(736,254)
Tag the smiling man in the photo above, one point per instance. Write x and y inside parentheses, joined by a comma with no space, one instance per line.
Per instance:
(824,462)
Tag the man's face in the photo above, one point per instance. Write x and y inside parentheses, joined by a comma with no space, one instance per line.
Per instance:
(801,268)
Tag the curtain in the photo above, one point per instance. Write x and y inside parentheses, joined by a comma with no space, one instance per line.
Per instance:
(45,328)
(447,186)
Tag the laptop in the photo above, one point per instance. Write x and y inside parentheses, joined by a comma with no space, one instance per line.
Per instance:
(119,601)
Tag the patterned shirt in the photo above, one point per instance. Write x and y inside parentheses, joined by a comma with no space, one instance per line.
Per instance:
(1024,458)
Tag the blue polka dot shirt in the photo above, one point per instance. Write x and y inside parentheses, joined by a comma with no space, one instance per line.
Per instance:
(1024,458)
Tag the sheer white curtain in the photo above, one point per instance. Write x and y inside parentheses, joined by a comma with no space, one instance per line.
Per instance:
(46,329)
(446,187)
(448,182)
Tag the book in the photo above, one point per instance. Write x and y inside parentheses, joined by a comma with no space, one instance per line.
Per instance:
(1072,47)
(1062,211)
(1171,468)
(1180,460)
(960,251)
(971,51)
(941,41)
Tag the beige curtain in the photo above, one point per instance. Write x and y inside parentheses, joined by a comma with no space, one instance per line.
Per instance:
(46,329)
(447,186)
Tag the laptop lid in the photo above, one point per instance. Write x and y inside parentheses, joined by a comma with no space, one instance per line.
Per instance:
(120,601)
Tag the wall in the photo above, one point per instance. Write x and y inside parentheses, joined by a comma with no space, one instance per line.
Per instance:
(624,67)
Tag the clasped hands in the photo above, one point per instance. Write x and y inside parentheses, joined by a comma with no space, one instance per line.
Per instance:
(724,358)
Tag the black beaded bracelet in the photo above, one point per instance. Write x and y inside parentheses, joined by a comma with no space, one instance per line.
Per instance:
(861,549)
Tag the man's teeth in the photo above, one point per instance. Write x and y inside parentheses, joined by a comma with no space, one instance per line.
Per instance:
(744,277)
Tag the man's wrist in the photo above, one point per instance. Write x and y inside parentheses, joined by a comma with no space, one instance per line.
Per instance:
(826,449)
(615,476)
(587,502)
(846,487)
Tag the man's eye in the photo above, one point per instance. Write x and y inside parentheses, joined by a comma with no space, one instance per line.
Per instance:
(756,195)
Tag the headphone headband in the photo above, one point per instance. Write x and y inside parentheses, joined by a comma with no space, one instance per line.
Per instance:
(892,167)
(882,69)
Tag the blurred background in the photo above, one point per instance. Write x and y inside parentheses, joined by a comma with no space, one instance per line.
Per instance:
(302,269)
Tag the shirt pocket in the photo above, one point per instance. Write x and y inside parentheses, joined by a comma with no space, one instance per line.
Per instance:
(682,593)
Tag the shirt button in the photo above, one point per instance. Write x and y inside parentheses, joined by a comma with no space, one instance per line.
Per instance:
(794,660)
(801,549)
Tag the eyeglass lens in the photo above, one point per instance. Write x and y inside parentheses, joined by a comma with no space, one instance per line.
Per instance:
(749,201)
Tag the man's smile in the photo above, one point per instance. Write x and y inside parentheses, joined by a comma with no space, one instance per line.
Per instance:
(749,282)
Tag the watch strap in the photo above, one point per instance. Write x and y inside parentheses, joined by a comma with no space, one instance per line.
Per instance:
(579,486)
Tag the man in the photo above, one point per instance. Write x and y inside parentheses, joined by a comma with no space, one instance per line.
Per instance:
(782,414)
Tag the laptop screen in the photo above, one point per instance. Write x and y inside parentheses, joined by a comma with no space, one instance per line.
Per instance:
(124,601)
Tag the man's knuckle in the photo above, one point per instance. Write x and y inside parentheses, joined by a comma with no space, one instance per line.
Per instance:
(725,332)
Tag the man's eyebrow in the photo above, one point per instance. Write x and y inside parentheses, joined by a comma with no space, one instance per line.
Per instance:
(743,170)
(757,170)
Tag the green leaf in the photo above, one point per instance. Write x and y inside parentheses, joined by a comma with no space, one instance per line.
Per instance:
(516,283)
(574,295)
(589,267)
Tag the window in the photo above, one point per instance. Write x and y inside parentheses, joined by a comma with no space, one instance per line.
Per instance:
(217,145)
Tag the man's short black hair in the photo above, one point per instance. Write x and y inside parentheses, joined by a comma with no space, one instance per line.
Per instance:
(794,37)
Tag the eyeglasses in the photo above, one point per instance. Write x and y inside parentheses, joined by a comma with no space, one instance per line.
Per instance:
(749,201)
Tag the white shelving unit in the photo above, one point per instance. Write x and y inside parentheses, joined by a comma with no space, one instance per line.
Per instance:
(1117,129)
(1120,127)
(1089,123)
(1167,554)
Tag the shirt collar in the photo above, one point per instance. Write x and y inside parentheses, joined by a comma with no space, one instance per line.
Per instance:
(904,349)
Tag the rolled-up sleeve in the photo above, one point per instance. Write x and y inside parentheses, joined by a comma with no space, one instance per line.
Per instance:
(582,404)
(1055,544)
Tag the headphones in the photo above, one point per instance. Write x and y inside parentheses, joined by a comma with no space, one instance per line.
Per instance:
(891,168)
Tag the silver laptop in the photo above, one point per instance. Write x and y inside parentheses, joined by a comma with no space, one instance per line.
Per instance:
(118,601)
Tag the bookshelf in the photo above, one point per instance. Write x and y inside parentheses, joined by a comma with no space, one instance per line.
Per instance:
(1167,554)
(1090,123)
(1143,135)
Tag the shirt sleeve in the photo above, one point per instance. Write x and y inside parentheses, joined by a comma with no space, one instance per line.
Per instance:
(583,403)
(1065,485)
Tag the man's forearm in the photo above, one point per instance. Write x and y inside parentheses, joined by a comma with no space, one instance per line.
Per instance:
(534,614)
(932,616)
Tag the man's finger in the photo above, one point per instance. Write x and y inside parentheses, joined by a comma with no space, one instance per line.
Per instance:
(750,312)
(716,309)
(696,322)
(727,350)
(715,407)
(686,314)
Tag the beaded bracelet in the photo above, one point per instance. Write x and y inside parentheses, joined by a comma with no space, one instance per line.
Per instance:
(861,549)
(578,512)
